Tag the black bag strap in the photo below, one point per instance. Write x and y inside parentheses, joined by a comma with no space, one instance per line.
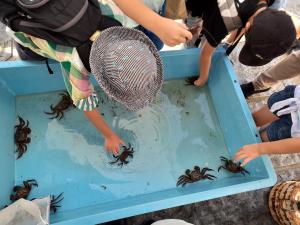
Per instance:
(59,29)
(239,35)
(50,71)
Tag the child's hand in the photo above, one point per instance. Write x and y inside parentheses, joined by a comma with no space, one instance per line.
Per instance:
(172,33)
(112,143)
(247,153)
(200,82)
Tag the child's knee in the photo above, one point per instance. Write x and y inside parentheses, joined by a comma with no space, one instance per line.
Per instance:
(264,136)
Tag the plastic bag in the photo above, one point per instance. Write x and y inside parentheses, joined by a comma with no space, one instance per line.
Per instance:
(171,222)
(24,212)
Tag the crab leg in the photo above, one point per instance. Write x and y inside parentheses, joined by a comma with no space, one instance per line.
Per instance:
(56,200)
(210,177)
(245,171)
(220,168)
(223,159)
(205,169)
(181,180)
(61,115)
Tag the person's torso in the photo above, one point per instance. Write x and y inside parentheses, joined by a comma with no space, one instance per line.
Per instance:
(109,8)
(235,13)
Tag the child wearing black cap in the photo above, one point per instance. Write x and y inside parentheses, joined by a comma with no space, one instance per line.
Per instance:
(269,32)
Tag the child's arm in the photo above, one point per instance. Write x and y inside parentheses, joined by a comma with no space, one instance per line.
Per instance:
(112,141)
(205,61)
(250,152)
(169,31)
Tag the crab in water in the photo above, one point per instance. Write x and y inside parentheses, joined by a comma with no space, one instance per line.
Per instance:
(232,167)
(21,137)
(191,80)
(127,153)
(55,201)
(64,104)
(194,176)
(23,191)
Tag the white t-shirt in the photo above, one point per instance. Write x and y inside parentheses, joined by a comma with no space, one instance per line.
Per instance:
(292,107)
(155,5)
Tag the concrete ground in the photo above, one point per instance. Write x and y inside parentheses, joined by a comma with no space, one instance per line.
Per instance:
(250,208)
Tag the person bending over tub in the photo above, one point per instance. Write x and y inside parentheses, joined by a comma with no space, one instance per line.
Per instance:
(133,81)
(264,29)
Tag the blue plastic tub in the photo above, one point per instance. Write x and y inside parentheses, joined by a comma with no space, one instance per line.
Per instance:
(185,127)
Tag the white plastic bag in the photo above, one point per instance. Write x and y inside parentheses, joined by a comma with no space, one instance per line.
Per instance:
(171,222)
(24,212)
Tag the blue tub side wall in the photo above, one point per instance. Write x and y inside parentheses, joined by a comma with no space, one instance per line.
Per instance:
(231,103)
(7,166)
(177,64)
(24,77)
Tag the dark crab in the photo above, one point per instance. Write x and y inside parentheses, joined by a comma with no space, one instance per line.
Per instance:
(127,153)
(54,203)
(195,30)
(194,176)
(21,136)
(64,104)
(191,80)
(23,191)
(232,167)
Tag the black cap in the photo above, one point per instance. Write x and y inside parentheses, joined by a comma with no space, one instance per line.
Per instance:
(271,35)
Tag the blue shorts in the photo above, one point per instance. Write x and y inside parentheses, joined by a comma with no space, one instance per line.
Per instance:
(280,129)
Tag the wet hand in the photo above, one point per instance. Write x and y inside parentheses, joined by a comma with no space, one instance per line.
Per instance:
(247,153)
(199,82)
(112,143)
(172,33)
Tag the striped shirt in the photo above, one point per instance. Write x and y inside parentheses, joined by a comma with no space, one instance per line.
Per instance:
(75,75)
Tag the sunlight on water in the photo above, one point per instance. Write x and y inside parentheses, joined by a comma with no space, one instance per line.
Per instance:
(175,133)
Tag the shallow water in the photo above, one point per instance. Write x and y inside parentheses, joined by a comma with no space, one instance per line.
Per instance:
(178,131)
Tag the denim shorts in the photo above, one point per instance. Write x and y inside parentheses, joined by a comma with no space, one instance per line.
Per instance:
(280,129)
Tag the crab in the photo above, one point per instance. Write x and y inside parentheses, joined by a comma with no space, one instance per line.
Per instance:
(21,136)
(23,191)
(191,80)
(63,105)
(55,201)
(194,176)
(232,167)
(127,152)
(195,29)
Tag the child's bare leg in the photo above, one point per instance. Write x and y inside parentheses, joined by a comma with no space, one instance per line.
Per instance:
(264,136)
(263,116)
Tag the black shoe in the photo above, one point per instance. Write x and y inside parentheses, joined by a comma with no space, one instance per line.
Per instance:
(248,89)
